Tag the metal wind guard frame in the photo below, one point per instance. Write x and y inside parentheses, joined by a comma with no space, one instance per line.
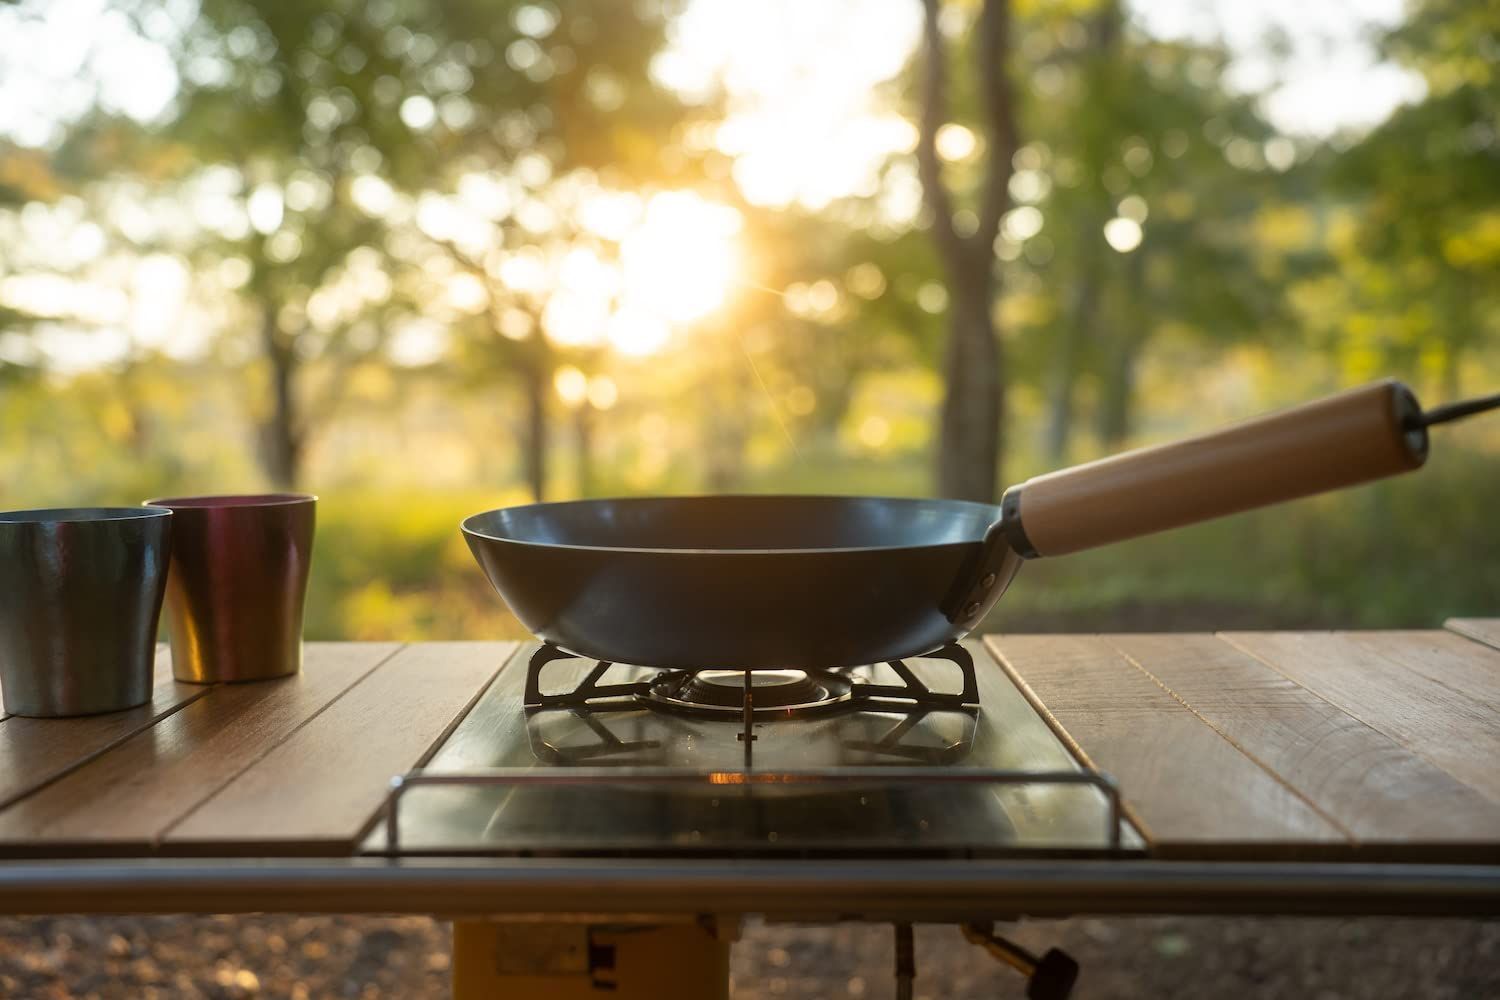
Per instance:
(678,787)
(911,689)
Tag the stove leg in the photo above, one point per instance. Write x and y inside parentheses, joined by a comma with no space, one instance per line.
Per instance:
(1050,977)
(577,961)
(906,962)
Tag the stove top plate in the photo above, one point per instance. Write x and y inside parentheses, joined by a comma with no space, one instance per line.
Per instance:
(625,777)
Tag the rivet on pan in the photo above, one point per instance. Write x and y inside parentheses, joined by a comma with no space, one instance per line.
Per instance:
(988,581)
(972,609)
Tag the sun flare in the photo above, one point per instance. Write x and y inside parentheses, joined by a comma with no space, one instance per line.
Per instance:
(681,262)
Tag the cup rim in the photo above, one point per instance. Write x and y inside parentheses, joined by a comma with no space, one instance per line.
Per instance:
(82,515)
(231,501)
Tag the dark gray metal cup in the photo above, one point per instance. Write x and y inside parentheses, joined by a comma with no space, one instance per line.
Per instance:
(80,593)
(237,585)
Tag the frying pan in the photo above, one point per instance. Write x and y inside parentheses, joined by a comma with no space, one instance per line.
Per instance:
(759,582)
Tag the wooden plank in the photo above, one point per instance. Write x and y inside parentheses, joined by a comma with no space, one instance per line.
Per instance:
(1456,662)
(322,788)
(1393,802)
(1485,630)
(1439,722)
(1191,790)
(125,798)
(36,751)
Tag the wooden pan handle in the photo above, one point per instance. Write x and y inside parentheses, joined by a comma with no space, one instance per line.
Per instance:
(1350,438)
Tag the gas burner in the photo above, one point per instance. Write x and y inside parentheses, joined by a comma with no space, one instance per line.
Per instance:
(785,693)
(721,693)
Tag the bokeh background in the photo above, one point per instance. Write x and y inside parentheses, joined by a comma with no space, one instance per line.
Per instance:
(426,258)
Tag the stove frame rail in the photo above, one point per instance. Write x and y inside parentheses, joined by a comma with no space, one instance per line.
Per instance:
(1112,842)
(657,891)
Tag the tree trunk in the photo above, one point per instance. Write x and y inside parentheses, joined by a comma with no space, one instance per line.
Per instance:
(534,386)
(138,434)
(583,440)
(969,434)
(729,432)
(1115,404)
(1101,69)
(281,434)
(1077,330)
(1060,397)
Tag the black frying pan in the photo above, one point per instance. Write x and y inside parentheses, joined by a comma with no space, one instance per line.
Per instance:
(759,582)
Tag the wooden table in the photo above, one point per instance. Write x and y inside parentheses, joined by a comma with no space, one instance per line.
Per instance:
(1348,760)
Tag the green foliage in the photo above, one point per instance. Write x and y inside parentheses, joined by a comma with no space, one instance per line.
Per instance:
(393,565)
(1400,554)
(1421,258)
(1267,270)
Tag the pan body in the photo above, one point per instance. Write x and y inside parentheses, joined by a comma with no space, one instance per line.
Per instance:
(742,582)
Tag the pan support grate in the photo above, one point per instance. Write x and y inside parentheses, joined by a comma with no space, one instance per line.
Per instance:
(843,690)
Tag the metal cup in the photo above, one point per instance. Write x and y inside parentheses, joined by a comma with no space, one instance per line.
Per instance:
(237,585)
(80,594)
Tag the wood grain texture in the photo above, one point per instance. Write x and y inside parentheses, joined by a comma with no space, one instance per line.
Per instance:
(326,784)
(125,798)
(1192,791)
(1373,681)
(36,751)
(1389,799)
(1468,668)
(1485,630)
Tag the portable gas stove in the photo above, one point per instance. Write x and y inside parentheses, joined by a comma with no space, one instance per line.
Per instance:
(581,757)
(573,757)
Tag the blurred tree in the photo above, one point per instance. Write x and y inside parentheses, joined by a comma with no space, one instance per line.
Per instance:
(969,440)
(25,176)
(316,146)
(1141,190)
(1134,209)
(564,111)
(283,117)
(1423,254)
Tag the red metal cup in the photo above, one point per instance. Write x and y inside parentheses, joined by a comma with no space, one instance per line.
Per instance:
(237,584)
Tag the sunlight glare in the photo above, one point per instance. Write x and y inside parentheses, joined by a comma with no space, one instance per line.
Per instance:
(603,392)
(1123,234)
(583,273)
(574,320)
(524,271)
(956,142)
(572,385)
(372,195)
(610,214)
(637,332)
(265,208)
(683,258)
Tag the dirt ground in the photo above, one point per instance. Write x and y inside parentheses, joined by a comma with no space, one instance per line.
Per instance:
(368,958)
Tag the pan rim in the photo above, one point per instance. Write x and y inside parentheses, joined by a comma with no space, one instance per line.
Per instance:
(992,513)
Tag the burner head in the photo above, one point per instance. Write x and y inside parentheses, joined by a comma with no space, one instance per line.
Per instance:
(722,692)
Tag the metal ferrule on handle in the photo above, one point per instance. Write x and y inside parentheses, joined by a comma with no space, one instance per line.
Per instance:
(1354,437)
